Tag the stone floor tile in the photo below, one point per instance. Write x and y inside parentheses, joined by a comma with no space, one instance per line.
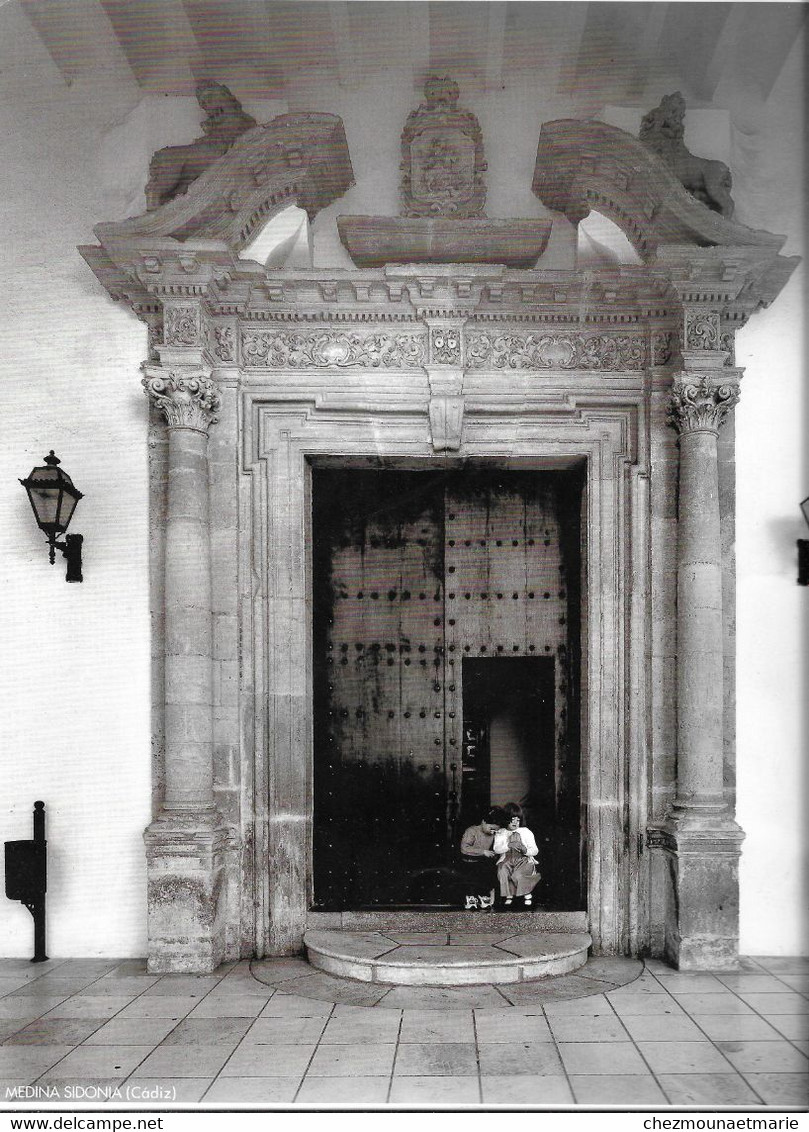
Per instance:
(526,1089)
(744,1027)
(359,1060)
(802,1045)
(10,1026)
(208,1032)
(696,1004)
(9,1087)
(664,1027)
(436,1059)
(159,1006)
(217,1005)
(662,1005)
(55,1031)
(763,983)
(764,1057)
(444,998)
(512,1059)
(51,984)
(28,1062)
(575,1028)
(658,967)
(553,990)
(132,1032)
(328,988)
(184,1061)
(253,1090)
(369,1026)
(438,939)
(611,1058)
(614,970)
(100,1061)
(616,1089)
(273,972)
(796,982)
(127,967)
(91,1006)
(28,1006)
(790,1002)
(18,964)
(121,985)
(269,1061)
(706,1089)
(194,986)
(784,964)
(781,1089)
(646,983)
(690,983)
(283,1005)
(9,985)
(684,1057)
(344,1090)
(792,1026)
(285,1031)
(435,1090)
(157,1091)
(592,1006)
(425,1026)
(494,1029)
(242,984)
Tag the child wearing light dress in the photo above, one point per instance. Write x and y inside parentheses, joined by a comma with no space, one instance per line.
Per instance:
(516,861)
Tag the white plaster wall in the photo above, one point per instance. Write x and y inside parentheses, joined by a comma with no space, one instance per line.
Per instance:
(74,685)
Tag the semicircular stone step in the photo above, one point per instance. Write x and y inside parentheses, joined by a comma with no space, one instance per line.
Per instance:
(441,959)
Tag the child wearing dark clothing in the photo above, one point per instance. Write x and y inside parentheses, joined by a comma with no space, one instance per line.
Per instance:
(477,857)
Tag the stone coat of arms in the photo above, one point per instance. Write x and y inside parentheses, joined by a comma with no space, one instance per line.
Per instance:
(442,156)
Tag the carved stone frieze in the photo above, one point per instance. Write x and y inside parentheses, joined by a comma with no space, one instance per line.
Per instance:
(442,156)
(321,349)
(223,343)
(181,326)
(701,330)
(555,351)
(187,400)
(663,347)
(445,345)
(699,403)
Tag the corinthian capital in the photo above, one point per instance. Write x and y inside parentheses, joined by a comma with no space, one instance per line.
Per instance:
(187,400)
(699,403)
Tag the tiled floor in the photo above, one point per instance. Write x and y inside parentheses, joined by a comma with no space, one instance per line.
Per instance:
(296,1036)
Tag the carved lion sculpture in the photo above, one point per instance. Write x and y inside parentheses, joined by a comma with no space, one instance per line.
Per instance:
(662,131)
(174,168)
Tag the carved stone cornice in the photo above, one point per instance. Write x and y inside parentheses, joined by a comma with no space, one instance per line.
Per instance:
(186,399)
(700,403)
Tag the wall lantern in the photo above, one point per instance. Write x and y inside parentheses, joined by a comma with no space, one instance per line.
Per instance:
(803,549)
(53,500)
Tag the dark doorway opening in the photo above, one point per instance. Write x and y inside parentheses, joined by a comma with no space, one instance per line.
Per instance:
(446,677)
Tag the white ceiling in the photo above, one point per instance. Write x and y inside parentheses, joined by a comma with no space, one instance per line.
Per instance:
(596,52)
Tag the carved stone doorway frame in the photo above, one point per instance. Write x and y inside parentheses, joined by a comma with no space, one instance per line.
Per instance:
(283,436)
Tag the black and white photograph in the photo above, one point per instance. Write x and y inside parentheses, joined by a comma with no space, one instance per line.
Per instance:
(405,511)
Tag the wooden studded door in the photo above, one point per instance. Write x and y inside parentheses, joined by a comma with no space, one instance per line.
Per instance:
(428,587)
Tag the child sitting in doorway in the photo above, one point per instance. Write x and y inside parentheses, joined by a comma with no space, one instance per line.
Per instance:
(516,862)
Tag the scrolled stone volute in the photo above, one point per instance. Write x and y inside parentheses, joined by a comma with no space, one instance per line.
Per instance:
(700,404)
(186,400)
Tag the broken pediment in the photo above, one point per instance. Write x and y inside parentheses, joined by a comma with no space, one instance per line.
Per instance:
(584,165)
(298,159)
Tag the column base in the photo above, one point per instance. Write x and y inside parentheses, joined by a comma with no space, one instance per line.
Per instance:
(702,845)
(186,886)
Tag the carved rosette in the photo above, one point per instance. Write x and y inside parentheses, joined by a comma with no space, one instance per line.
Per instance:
(445,345)
(700,404)
(186,400)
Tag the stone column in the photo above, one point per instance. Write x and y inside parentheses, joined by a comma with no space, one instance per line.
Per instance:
(700,835)
(186,842)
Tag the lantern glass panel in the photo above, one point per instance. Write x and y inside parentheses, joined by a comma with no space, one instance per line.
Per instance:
(45,502)
(67,506)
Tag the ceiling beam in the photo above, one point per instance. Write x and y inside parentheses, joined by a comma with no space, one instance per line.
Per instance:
(79,37)
(158,42)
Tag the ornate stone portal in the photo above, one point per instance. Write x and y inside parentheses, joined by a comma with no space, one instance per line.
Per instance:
(419,365)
